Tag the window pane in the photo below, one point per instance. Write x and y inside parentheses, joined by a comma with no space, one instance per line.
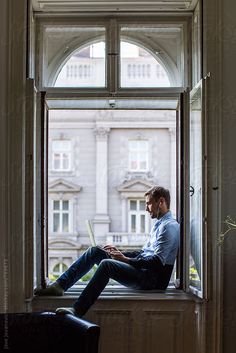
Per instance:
(65,161)
(142,205)
(146,58)
(64,268)
(57,159)
(133,205)
(65,205)
(133,223)
(134,165)
(65,222)
(138,67)
(196,227)
(56,268)
(143,165)
(56,205)
(142,223)
(85,68)
(56,222)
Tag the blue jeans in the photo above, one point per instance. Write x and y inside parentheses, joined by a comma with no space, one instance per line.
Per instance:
(108,268)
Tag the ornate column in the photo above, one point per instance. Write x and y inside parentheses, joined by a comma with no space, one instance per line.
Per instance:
(101,220)
(172,133)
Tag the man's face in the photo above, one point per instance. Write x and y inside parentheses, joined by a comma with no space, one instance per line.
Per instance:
(152,207)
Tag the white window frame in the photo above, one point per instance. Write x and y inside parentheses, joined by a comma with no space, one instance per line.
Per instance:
(61,212)
(139,151)
(138,213)
(60,152)
(113,66)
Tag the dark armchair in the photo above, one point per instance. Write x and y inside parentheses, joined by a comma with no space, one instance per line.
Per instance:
(47,332)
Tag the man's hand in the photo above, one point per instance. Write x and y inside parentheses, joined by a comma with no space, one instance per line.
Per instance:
(109,248)
(117,255)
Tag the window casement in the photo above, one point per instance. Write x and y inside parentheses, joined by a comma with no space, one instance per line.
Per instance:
(138,218)
(138,155)
(61,216)
(61,155)
(150,75)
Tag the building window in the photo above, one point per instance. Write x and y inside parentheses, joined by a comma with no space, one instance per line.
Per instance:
(138,155)
(61,155)
(138,222)
(61,216)
(58,269)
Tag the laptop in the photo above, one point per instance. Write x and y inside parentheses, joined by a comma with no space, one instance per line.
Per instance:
(89,226)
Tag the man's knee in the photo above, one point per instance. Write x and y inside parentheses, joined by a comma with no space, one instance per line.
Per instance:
(96,249)
(107,265)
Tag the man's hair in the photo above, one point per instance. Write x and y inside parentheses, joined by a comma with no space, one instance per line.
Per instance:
(157,191)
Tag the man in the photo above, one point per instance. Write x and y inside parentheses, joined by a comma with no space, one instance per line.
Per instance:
(149,268)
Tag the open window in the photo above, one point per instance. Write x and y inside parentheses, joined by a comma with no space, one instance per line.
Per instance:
(116,122)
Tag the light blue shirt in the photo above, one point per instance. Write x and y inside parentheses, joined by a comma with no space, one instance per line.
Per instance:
(163,240)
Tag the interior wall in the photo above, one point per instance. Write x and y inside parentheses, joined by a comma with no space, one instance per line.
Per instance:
(12,97)
(228,98)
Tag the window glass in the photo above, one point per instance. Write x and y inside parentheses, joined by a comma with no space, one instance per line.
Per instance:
(57,270)
(56,205)
(133,205)
(65,205)
(142,205)
(139,68)
(61,155)
(56,222)
(196,191)
(138,216)
(60,216)
(85,68)
(73,55)
(65,223)
(142,223)
(133,223)
(152,55)
(138,155)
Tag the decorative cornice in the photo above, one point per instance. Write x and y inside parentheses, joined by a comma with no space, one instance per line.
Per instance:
(101,132)
(63,186)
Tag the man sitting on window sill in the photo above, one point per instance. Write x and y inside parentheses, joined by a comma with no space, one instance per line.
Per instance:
(147,269)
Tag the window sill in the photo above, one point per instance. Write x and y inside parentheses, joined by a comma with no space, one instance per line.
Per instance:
(122,293)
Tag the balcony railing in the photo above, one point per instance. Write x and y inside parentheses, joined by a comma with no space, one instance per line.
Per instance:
(126,239)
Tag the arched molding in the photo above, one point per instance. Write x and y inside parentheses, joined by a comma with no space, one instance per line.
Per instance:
(60,242)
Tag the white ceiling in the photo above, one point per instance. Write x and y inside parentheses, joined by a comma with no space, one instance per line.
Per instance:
(112,5)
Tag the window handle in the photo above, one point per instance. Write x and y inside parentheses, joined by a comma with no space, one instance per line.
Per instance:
(191,190)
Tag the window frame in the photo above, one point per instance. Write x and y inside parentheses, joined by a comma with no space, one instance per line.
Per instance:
(61,212)
(113,90)
(138,150)
(138,213)
(61,152)
(112,27)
